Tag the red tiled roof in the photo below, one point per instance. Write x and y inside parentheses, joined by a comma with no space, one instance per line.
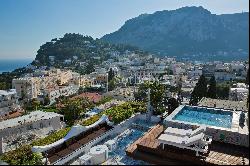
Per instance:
(95,97)
(12,115)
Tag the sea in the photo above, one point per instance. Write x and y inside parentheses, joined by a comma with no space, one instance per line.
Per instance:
(8,65)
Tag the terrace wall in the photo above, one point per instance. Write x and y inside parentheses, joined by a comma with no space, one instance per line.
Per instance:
(14,131)
(116,130)
(217,134)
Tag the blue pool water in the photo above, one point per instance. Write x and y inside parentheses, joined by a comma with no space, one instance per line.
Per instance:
(205,116)
(122,144)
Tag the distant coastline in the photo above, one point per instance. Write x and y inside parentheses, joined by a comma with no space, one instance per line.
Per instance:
(8,65)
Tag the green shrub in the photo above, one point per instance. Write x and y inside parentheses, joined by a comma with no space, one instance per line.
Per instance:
(104,100)
(51,138)
(91,120)
(119,113)
(24,156)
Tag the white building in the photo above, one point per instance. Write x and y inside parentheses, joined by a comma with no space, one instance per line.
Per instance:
(221,75)
(195,74)
(34,121)
(177,69)
(239,92)
(8,98)
(237,67)
(8,103)
(32,87)
(26,87)
(56,92)
(67,61)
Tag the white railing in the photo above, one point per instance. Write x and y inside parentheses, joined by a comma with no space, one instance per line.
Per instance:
(118,128)
(83,148)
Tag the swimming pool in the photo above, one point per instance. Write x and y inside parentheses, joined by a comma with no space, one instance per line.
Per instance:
(125,139)
(207,116)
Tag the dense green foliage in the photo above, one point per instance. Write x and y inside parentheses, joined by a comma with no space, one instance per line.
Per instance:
(111,74)
(24,156)
(214,90)
(91,120)
(72,108)
(157,95)
(104,100)
(112,84)
(200,90)
(211,92)
(51,138)
(77,48)
(172,105)
(222,91)
(119,113)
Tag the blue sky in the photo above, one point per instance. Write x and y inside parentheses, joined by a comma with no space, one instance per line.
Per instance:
(27,24)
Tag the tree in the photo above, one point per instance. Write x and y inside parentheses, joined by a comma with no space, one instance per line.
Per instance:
(23,94)
(200,90)
(169,71)
(3,86)
(89,67)
(172,105)
(179,86)
(157,94)
(46,100)
(71,111)
(111,74)
(81,90)
(112,84)
(35,103)
(211,93)
(222,92)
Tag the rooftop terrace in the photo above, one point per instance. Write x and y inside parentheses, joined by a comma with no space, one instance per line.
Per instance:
(32,117)
(226,104)
(147,148)
(77,142)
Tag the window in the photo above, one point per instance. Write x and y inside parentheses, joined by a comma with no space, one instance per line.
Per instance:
(41,125)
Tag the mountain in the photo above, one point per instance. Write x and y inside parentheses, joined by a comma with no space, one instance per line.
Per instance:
(185,32)
(78,48)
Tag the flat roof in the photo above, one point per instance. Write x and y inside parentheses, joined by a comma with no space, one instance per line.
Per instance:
(226,104)
(32,117)
(7,92)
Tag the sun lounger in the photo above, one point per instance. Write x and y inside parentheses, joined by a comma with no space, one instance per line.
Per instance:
(183,132)
(196,143)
